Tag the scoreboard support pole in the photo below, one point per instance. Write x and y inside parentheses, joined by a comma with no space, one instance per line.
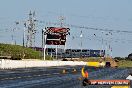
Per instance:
(43,43)
(56,52)
(44,46)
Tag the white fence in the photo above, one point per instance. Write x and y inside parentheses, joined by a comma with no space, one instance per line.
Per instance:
(4,64)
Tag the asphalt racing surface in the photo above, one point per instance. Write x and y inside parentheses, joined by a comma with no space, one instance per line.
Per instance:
(52,77)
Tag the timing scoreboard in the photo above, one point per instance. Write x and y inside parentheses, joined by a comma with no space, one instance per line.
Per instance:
(56,35)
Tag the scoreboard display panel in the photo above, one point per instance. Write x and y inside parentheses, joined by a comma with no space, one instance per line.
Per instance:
(56,35)
(55,39)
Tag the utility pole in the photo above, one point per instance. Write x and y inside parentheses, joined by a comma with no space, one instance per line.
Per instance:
(31,31)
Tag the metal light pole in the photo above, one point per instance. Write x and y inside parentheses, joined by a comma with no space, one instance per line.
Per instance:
(110,48)
(103,50)
(24,34)
(71,48)
(107,43)
(81,43)
(42,43)
(106,49)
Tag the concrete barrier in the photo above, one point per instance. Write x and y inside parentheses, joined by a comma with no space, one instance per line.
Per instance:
(5,64)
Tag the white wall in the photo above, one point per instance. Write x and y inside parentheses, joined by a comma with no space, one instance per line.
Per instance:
(36,63)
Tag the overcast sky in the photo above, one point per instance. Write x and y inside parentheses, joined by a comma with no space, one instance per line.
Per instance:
(104,14)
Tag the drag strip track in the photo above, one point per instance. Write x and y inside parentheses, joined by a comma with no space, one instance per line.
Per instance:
(53,78)
(30,76)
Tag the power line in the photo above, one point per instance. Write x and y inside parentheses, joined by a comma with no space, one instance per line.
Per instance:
(86,27)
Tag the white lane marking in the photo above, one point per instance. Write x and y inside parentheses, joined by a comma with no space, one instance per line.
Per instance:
(18,77)
(56,73)
(26,76)
(46,74)
(10,72)
(30,76)
(10,78)
(39,75)
(4,78)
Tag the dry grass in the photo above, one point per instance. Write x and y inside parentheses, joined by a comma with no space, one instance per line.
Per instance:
(124,63)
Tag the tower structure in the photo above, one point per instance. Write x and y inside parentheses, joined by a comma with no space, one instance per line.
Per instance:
(31,31)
